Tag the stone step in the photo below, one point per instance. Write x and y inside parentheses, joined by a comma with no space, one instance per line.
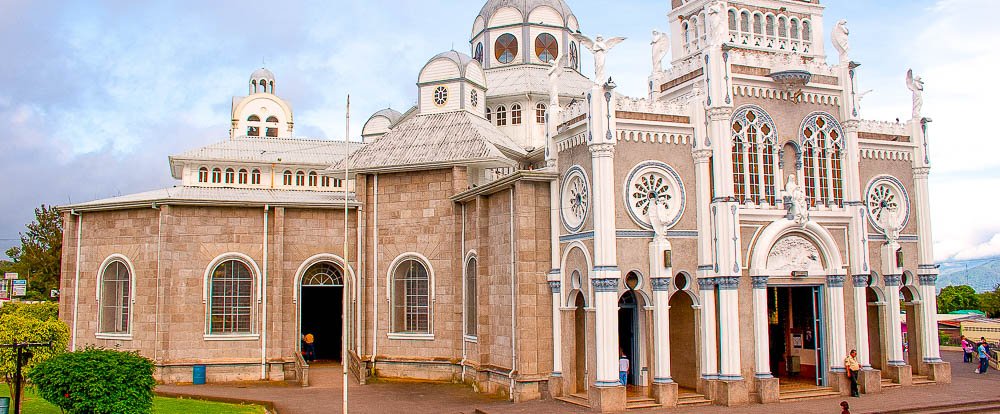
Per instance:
(807,394)
(922,380)
(692,400)
(575,399)
(635,405)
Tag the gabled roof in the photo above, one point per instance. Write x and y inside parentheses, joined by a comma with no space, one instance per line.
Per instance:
(217,196)
(286,151)
(433,141)
(521,79)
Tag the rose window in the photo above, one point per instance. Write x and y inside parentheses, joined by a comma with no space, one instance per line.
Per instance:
(575,199)
(886,199)
(653,182)
(440,96)
(650,187)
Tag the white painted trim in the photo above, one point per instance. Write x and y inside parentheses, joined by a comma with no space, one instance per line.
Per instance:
(206,287)
(775,231)
(248,337)
(318,258)
(115,337)
(388,280)
(116,257)
(577,244)
(410,336)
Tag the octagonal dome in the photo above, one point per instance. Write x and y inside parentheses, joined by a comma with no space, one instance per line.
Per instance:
(525,7)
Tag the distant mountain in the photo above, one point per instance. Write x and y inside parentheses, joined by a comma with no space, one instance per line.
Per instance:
(983,275)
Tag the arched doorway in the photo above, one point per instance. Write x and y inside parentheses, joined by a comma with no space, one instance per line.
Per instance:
(580,343)
(321,304)
(628,334)
(683,346)
(876,346)
(912,330)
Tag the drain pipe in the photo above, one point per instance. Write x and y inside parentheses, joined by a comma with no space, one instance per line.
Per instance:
(76,282)
(513,298)
(465,290)
(263,328)
(375,274)
(156,320)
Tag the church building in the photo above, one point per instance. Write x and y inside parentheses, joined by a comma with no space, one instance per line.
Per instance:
(733,234)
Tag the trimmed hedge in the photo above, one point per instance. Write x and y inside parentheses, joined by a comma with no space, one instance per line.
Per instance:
(97,381)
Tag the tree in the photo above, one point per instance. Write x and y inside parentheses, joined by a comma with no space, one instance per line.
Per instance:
(30,323)
(989,302)
(954,298)
(39,257)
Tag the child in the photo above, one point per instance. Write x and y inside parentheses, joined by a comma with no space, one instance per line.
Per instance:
(846,407)
(623,366)
(967,349)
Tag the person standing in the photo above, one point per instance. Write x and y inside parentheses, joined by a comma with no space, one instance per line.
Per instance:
(966,349)
(309,347)
(853,369)
(623,366)
(984,357)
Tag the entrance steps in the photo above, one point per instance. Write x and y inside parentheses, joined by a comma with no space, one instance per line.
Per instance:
(689,399)
(579,399)
(887,384)
(801,394)
(639,403)
(922,380)
(692,399)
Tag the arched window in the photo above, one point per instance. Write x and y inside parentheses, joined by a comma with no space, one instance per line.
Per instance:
(411,297)
(287,178)
(253,129)
(745,22)
(326,181)
(231,298)
(243,176)
(216,175)
(806,31)
(471,297)
(758,24)
(515,114)
(253,118)
(323,274)
(540,113)
(782,27)
(272,119)
(271,86)
(732,21)
(546,47)
(769,26)
(116,298)
(230,176)
(823,143)
(312,178)
(795,29)
(478,54)
(489,114)
(754,156)
(272,127)
(300,178)
(506,48)
(574,56)
(255,177)
(686,28)
(501,115)
(203,175)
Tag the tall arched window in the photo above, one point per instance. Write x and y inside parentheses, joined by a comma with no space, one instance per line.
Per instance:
(272,127)
(478,53)
(794,25)
(506,48)
(216,175)
(501,115)
(745,22)
(243,176)
(253,127)
(806,31)
(300,178)
(732,21)
(515,114)
(231,298)
(287,178)
(411,297)
(540,113)
(230,176)
(116,298)
(203,175)
(255,177)
(754,156)
(823,143)
(471,297)
(782,27)
(546,47)
(769,28)
(758,24)
(326,181)
(313,178)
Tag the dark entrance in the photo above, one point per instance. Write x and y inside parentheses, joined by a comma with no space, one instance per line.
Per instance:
(580,343)
(628,333)
(795,328)
(321,309)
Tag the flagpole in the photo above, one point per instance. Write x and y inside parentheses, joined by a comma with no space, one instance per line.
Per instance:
(347,153)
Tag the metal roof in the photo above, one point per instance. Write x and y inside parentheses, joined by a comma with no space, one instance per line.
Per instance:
(273,150)
(525,7)
(521,79)
(216,196)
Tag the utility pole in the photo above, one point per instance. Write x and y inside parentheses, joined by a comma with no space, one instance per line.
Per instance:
(22,354)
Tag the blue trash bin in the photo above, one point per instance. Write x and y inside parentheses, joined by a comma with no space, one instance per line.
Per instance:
(4,405)
(198,375)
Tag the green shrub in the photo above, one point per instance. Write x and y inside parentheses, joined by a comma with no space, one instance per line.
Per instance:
(97,381)
(37,323)
(42,311)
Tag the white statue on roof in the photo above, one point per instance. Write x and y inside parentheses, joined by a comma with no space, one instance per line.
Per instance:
(916,84)
(661,45)
(717,25)
(841,41)
(555,71)
(600,48)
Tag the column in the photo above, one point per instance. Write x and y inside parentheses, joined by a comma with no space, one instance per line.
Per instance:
(861,319)
(928,290)
(709,341)
(606,332)
(661,329)
(729,329)
(837,345)
(894,338)
(556,328)
(926,269)
(762,352)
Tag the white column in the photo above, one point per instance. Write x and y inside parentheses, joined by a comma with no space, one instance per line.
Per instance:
(927,270)
(606,301)
(837,348)
(894,338)
(661,329)
(762,340)
(932,348)
(556,328)
(729,329)
(709,341)
(861,319)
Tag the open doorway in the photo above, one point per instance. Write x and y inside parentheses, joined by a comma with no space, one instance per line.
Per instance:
(580,343)
(321,312)
(628,334)
(795,328)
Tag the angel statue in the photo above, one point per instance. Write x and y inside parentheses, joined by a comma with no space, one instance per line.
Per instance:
(798,209)
(916,84)
(659,216)
(717,24)
(840,40)
(891,224)
(661,45)
(555,71)
(600,48)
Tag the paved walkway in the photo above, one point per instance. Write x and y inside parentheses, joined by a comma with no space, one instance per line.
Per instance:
(324,396)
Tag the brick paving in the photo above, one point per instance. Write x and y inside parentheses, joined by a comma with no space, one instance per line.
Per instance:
(324,396)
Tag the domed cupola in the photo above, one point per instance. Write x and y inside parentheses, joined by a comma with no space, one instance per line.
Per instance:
(519,32)
(452,81)
(262,81)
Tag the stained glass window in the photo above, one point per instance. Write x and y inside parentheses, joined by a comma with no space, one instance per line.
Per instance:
(546,47)
(506,48)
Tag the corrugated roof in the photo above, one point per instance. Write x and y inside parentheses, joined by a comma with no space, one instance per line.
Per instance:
(435,139)
(521,79)
(273,150)
(525,7)
(188,195)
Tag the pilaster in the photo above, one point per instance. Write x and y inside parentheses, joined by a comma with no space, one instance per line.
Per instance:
(762,357)
(709,352)
(837,344)
(860,283)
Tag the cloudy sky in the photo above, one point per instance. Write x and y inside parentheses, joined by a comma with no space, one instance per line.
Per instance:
(99,93)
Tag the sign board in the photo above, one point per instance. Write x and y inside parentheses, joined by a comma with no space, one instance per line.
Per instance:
(3,291)
(18,287)
(10,276)
(54,293)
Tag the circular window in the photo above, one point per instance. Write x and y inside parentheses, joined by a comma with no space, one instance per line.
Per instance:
(887,203)
(576,280)
(681,281)
(546,47)
(506,48)
(654,182)
(575,199)
(440,96)
(474,98)
(632,280)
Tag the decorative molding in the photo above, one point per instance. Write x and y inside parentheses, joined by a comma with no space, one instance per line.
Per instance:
(645,106)
(628,135)
(587,235)
(602,149)
(783,95)
(706,283)
(860,281)
(729,282)
(835,281)
(928,280)
(884,154)
(605,285)
(902,238)
(759,282)
(893,280)
(660,284)
(883,128)
(572,141)
(554,286)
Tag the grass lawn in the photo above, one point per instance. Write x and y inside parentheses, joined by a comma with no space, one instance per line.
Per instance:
(33,404)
